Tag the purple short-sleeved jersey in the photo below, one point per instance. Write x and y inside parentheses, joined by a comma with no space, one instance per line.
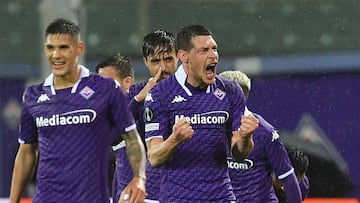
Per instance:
(123,171)
(73,129)
(252,178)
(153,175)
(197,171)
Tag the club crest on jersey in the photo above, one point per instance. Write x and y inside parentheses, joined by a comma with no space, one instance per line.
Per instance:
(219,94)
(87,92)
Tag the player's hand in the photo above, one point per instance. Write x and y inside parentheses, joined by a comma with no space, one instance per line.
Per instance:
(134,192)
(249,123)
(140,97)
(182,130)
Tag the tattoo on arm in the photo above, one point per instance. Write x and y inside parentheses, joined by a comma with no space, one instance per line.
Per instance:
(135,152)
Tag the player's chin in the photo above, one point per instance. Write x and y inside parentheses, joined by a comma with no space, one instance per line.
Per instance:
(164,77)
(209,80)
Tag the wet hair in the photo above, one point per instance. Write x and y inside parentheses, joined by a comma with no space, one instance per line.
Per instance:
(184,36)
(298,159)
(157,42)
(63,26)
(239,77)
(120,63)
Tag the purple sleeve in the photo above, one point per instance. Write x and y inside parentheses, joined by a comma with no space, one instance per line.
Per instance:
(304,187)
(292,189)
(135,107)
(121,115)
(28,129)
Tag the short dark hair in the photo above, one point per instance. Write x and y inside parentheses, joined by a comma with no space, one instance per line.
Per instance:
(184,36)
(299,160)
(160,41)
(121,64)
(63,26)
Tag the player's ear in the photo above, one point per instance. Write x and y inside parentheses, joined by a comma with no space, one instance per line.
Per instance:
(128,81)
(145,61)
(182,55)
(80,47)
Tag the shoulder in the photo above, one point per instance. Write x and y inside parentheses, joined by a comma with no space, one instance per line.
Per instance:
(101,81)
(35,88)
(97,77)
(137,87)
(230,87)
(33,91)
(266,130)
(226,83)
(163,90)
(165,85)
(264,123)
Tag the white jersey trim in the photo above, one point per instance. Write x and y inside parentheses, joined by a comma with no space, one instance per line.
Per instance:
(133,126)
(286,174)
(180,76)
(151,201)
(49,81)
(150,138)
(122,144)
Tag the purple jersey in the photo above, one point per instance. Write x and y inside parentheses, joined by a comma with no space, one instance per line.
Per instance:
(153,175)
(197,171)
(73,128)
(252,178)
(137,108)
(123,171)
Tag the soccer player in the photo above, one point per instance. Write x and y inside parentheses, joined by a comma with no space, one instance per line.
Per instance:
(252,177)
(119,68)
(160,58)
(186,118)
(70,117)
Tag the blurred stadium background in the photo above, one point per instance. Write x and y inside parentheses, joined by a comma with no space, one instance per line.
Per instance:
(303,57)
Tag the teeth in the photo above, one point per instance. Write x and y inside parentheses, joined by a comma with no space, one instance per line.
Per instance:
(211,66)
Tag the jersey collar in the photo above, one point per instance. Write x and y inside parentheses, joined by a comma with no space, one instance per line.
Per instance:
(180,76)
(49,81)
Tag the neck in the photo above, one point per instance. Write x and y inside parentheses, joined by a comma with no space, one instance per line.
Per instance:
(66,81)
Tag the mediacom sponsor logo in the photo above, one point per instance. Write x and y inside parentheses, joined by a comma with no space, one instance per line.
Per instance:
(213,117)
(81,116)
(245,165)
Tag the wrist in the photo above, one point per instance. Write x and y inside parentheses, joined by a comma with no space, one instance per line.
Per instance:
(142,177)
(136,98)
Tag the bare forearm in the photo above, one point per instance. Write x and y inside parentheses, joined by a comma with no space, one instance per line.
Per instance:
(241,141)
(136,153)
(23,167)
(160,152)
(241,147)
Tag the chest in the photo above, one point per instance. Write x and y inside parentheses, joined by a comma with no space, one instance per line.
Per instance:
(65,107)
(202,110)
